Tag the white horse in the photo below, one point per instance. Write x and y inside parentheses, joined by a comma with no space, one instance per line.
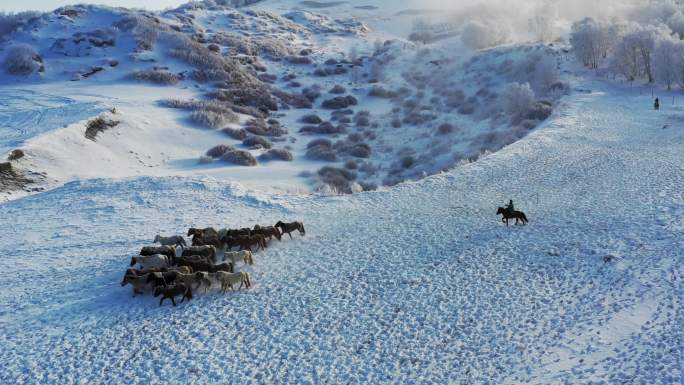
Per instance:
(156,261)
(227,280)
(175,241)
(244,256)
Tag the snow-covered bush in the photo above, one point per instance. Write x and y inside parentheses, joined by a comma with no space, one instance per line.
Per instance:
(277,154)
(259,126)
(311,119)
(10,22)
(321,149)
(337,89)
(213,119)
(546,74)
(22,59)
(257,142)
(324,128)
(220,150)
(340,102)
(239,157)
(156,76)
(517,99)
(235,133)
(479,35)
(339,179)
(98,125)
(312,93)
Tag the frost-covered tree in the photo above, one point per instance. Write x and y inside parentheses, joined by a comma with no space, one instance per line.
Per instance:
(633,56)
(518,99)
(676,23)
(668,62)
(592,41)
(479,35)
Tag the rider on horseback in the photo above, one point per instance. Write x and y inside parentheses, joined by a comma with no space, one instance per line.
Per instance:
(510,207)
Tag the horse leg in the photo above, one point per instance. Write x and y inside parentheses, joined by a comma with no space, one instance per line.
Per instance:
(161,300)
(290,234)
(173,301)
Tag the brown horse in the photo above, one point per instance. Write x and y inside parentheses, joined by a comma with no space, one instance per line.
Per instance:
(172,291)
(288,228)
(245,242)
(267,232)
(518,215)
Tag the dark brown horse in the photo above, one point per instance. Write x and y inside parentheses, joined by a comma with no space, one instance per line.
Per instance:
(172,291)
(245,242)
(518,215)
(288,228)
(267,232)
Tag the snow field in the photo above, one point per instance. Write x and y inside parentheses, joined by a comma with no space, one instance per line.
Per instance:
(417,284)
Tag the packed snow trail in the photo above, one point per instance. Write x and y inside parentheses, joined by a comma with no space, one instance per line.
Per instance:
(25,114)
(417,284)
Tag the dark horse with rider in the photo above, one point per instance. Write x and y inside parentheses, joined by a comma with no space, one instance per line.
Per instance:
(509,212)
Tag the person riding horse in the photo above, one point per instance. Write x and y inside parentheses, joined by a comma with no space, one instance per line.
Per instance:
(510,207)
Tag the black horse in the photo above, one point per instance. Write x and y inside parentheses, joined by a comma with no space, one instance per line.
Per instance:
(518,215)
(288,228)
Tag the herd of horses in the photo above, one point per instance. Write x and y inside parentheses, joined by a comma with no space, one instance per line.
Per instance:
(172,269)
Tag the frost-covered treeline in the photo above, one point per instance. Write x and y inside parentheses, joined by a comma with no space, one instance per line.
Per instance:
(647,46)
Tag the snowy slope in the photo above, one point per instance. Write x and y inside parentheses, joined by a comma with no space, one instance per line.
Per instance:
(399,137)
(416,284)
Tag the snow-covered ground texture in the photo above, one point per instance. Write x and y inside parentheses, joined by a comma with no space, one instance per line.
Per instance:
(318,84)
(415,284)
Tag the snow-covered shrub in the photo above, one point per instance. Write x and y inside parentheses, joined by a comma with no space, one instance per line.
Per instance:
(98,125)
(381,92)
(321,149)
(517,99)
(351,165)
(479,35)
(445,129)
(337,89)
(339,179)
(205,160)
(340,102)
(294,100)
(257,142)
(261,127)
(324,128)
(539,110)
(22,59)
(10,22)
(545,74)
(277,154)
(293,59)
(213,119)
(220,150)
(312,93)
(311,119)
(235,133)
(156,76)
(239,157)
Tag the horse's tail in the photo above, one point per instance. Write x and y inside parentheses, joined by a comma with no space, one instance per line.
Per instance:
(301,226)
(524,217)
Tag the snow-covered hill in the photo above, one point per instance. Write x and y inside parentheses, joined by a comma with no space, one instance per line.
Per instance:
(352,108)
